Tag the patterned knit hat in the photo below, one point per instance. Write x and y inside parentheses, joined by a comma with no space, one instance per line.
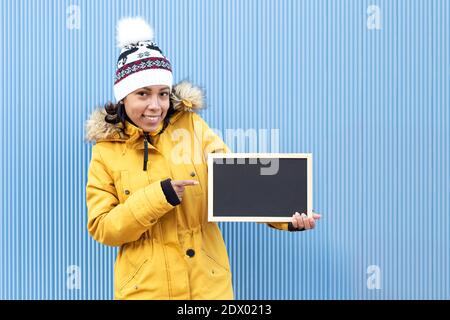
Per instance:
(141,63)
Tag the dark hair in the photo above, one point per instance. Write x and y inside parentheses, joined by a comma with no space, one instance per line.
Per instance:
(116,113)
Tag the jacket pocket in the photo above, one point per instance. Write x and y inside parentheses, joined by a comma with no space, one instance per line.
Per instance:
(124,189)
(133,259)
(214,262)
(193,174)
(132,281)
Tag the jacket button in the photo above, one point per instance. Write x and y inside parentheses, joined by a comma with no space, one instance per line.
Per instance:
(192,174)
(190,252)
(127,192)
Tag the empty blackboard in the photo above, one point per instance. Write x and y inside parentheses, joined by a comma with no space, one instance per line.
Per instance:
(265,187)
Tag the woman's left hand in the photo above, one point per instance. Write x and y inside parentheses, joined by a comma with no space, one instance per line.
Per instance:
(301,221)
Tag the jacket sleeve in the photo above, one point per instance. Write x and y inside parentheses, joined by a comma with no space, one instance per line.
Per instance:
(112,223)
(214,144)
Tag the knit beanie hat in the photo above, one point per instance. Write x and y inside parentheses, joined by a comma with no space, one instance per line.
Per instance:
(141,62)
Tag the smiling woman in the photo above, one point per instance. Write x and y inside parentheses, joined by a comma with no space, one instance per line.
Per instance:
(155,213)
(147,107)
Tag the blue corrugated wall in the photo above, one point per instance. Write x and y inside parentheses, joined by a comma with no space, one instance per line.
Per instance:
(363,85)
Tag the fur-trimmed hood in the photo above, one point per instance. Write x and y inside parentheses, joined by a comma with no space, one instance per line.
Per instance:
(185,98)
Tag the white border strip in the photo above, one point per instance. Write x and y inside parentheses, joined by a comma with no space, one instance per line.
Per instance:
(212,156)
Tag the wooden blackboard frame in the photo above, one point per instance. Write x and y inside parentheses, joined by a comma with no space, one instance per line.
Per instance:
(212,156)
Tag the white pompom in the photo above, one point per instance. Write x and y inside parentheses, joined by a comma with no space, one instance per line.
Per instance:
(133,30)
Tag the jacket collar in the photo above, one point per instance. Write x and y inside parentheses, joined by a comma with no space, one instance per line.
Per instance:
(97,130)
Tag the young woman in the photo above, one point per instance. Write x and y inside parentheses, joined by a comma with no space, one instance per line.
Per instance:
(147,181)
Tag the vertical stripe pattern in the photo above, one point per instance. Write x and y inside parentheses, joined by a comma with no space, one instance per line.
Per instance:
(362,85)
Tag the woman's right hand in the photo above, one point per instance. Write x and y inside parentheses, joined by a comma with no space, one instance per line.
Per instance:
(178,186)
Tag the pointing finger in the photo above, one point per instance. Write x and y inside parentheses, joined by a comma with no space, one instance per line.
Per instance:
(186,182)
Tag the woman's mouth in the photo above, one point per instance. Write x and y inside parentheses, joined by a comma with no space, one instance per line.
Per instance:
(151,119)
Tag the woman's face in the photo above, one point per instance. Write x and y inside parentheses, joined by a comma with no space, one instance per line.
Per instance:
(147,107)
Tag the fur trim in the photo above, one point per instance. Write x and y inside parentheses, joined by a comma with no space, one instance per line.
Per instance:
(98,129)
(187,97)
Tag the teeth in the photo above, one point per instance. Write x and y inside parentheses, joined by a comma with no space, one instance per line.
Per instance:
(151,117)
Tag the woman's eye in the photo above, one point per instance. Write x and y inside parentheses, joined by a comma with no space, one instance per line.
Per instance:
(142,93)
(164,94)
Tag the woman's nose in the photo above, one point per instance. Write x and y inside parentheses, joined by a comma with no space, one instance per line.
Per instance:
(153,104)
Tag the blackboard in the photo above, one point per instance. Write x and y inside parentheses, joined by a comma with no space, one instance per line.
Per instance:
(265,187)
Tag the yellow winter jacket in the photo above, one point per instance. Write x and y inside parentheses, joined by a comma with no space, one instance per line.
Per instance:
(166,252)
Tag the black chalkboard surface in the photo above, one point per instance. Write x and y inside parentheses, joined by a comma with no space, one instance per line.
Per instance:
(265,187)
